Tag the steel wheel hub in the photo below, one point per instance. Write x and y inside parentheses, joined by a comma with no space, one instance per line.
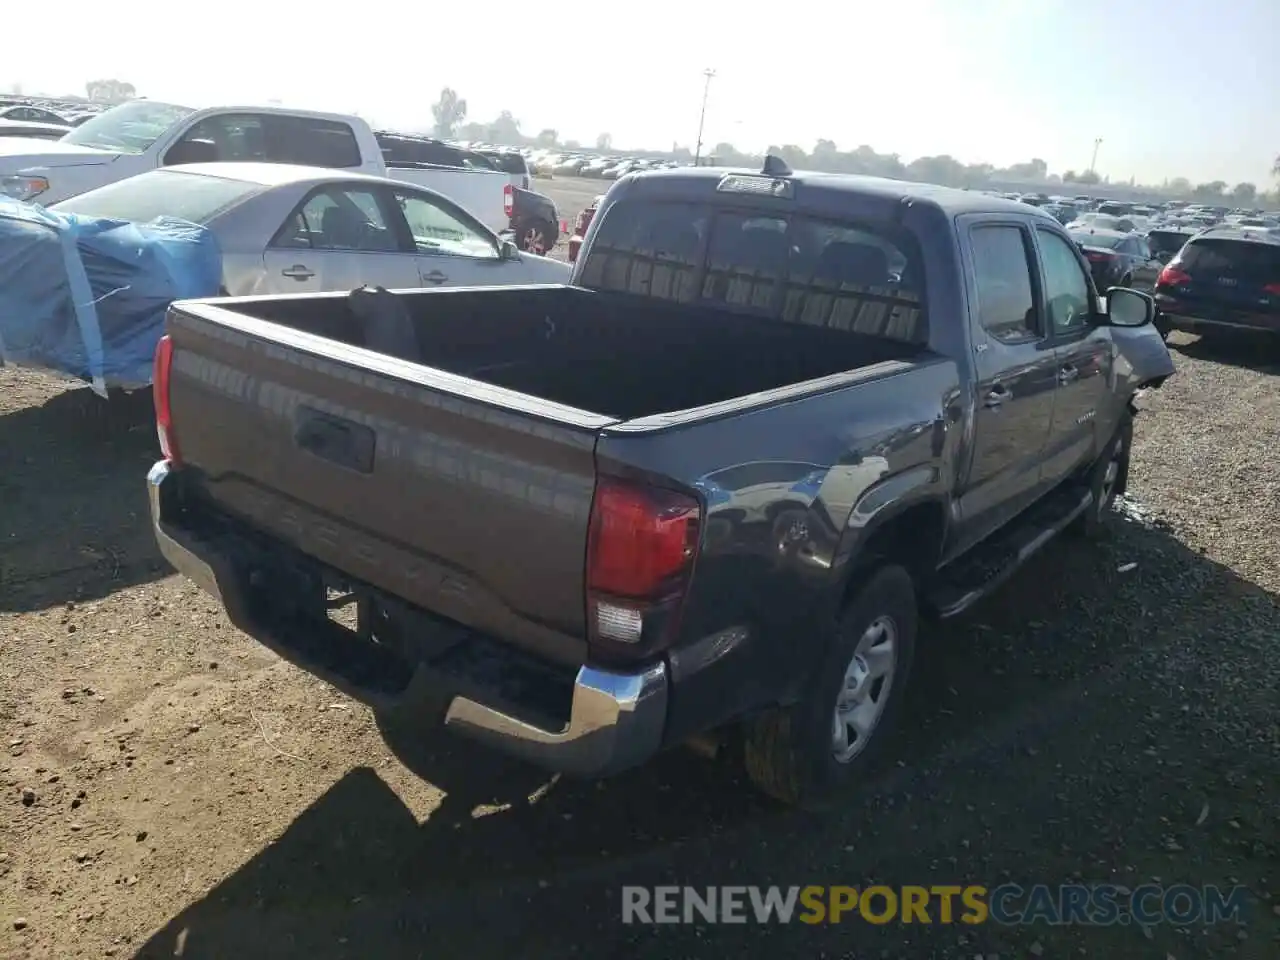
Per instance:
(865,692)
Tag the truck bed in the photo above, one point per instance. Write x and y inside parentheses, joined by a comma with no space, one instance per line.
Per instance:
(608,354)
(416,470)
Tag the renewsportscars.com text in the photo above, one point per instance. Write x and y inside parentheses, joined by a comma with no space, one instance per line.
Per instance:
(1007,904)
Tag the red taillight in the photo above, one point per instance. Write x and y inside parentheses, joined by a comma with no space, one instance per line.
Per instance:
(640,553)
(160,395)
(1099,257)
(508,200)
(1172,276)
(1272,289)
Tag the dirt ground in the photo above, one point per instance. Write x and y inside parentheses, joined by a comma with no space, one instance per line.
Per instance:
(171,789)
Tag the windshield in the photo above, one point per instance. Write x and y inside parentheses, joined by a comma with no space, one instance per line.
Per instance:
(129,128)
(160,193)
(1096,239)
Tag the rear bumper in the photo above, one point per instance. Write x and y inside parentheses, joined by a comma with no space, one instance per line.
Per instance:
(616,720)
(1187,316)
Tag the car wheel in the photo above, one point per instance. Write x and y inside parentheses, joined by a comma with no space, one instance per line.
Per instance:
(804,753)
(1107,479)
(536,237)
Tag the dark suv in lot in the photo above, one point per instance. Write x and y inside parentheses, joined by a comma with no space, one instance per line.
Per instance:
(1224,277)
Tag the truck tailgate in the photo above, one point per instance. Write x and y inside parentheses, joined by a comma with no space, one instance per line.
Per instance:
(467,500)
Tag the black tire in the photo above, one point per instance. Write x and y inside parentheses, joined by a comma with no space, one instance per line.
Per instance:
(1104,485)
(790,751)
(536,236)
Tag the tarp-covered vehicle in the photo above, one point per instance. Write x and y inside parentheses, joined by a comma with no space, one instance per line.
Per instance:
(86,296)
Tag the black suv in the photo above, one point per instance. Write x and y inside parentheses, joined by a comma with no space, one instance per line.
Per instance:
(1223,277)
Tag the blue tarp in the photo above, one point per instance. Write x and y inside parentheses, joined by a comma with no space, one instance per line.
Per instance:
(86,296)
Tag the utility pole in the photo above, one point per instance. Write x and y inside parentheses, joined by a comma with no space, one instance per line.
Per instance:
(1093,164)
(702,117)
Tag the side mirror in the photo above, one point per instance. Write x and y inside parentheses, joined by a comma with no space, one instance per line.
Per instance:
(1129,308)
(507,250)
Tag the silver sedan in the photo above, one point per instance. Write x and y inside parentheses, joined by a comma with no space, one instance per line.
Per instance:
(291,229)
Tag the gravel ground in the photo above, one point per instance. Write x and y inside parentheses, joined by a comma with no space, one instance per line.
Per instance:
(171,789)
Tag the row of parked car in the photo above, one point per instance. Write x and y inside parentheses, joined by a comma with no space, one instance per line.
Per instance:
(1207,265)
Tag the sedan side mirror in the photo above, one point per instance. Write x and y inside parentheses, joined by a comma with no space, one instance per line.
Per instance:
(1129,308)
(507,250)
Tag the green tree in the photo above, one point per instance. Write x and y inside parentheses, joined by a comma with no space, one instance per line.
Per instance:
(1180,185)
(1244,193)
(1069,176)
(548,137)
(1209,191)
(604,142)
(450,110)
(505,130)
(1089,178)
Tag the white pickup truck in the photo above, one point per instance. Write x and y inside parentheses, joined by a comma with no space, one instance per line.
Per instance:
(144,135)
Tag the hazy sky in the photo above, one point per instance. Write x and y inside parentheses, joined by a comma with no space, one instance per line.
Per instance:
(1174,87)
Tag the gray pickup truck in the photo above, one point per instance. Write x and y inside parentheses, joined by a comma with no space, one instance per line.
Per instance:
(704,494)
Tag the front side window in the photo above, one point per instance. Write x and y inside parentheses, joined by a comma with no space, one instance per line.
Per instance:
(338,218)
(436,230)
(1066,285)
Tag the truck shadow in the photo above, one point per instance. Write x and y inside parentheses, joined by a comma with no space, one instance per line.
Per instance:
(494,873)
(74,501)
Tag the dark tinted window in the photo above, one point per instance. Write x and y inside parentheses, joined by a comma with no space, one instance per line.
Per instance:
(271,138)
(1166,242)
(311,141)
(1116,209)
(1002,268)
(1245,259)
(801,269)
(509,162)
(411,150)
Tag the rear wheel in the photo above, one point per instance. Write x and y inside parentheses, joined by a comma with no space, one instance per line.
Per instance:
(536,237)
(802,754)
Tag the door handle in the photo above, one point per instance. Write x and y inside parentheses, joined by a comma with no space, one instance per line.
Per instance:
(434,277)
(997,395)
(298,272)
(1068,373)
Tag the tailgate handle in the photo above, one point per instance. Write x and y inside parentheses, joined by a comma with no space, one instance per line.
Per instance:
(344,442)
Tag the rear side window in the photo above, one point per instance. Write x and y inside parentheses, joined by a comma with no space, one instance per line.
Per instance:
(311,141)
(1002,269)
(796,268)
(1251,260)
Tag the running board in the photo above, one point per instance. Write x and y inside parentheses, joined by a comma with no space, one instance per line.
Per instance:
(990,564)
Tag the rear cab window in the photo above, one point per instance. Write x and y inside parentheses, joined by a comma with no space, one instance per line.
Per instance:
(794,267)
